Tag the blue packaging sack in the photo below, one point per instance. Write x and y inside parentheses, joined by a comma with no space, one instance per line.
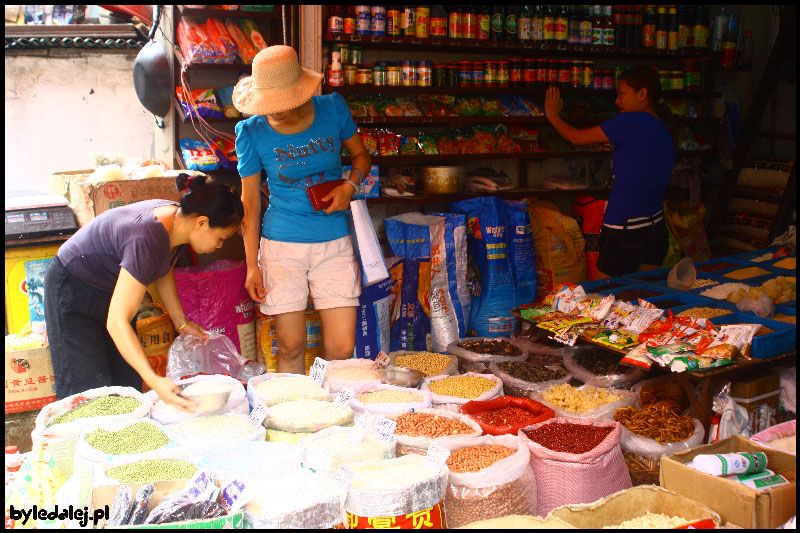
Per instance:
(411,318)
(456,256)
(521,252)
(373,321)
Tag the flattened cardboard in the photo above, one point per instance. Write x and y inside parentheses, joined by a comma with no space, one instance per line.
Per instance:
(736,503)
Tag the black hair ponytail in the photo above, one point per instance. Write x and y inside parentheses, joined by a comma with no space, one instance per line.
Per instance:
(643,77)
(205,197)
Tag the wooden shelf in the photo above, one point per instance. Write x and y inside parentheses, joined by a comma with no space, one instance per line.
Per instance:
(412,160)
(523,49)
(493,91)
(518,194)
(238,13)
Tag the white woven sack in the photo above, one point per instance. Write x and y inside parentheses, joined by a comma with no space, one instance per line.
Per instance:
(451,369)
(453,403)
(507,487)
(398,500)
(613,381)
(237,401)
(187,440)
(470,361)
(419,445)
(87,457)
(292,421)
(299,500)
(386,408)
(327,460)
(602,412)
(252,461)
(336,384)
(60,440)
(567,478)
(522,387)
(766,437)
(255,399)
(100,470)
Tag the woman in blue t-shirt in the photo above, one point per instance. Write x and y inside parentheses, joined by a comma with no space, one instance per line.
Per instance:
(97,281)
(634,235)
(296,138)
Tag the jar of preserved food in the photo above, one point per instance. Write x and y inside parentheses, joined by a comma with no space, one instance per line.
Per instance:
(575,73)
(349,74)
(588,74)
(490,73)
(408,73)
(503,74)
(465,73)
(355,55)
(608,80)
(477,74)
(439,75)
(335,77)
(552,72)
(393,76)
(364,75)
(453,75)
(541,72)
(691,74)
(564,73)
(677,82)
(515,73)
(379,74)
(529,72)
(424,73)
(664,80)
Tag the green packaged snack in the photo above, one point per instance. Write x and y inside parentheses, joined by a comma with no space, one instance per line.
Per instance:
(428,144)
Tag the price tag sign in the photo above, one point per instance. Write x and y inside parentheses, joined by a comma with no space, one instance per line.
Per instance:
(344,396)
(382,360)
(384,429)
(342,476)
(436,457)
(318,369)
(258,415)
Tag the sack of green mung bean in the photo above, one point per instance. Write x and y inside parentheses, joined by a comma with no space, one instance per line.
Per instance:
(209,432)
(383,399)
(521,378)
(59,424)
(237,403)
(113,443)
(476,353)
(326,450)
(357,375)
(274,388)
(172,465)
(490,477)
(415,431)
(451,392)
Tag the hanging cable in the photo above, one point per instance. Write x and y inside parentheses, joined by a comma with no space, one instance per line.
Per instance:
(283,22)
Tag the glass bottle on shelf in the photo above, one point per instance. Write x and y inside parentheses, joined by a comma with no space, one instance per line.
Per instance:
(661,29)
(394,20)
(498,19)
(649,29)
(438,21)
(454,22)
(549,24)
(621,26)
(684,28)
(672,28)
(484,23)
(537,24)
(747,55)
(524,23)
(562,24)
(510,25)
(349,22)
(585,28)
(638,21)
(608,27)
(573,25)
(597,27)
(728,46)
(409,22)
(469,23)
(701,28)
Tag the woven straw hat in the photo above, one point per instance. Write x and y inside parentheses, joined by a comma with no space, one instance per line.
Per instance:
(278,83)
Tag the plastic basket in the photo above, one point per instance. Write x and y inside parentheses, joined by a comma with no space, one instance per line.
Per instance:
(651,277)
(739,263)
(598,285)
(781,270)
(707,302)
(782,340)
(683,297)
(662,290)
(749,256)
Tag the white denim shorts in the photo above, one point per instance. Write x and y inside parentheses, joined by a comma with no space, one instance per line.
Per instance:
(329,270)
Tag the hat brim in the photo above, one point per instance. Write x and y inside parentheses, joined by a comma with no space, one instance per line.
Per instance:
(268,101)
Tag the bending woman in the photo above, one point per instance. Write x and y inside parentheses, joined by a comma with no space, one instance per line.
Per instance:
(96,283)
(634,235)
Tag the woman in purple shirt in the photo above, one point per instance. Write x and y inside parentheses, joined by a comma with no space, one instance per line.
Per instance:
(96,283)
(634,235)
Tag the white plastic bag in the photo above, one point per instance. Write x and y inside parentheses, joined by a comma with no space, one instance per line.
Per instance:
(335,384)
(519,387)
(326,450)
(101,477)
(506,487)
(299,500)
(470,361)
(407,444)
(452,403)
(641,445)
(165,414)
(250,461)
(189,356)
(256,398)
(307,416)
(626,398)
(451,368)
(385,408)
(780,431)
(224,430)
(60,440)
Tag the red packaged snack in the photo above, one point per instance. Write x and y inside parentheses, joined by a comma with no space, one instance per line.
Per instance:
(220,39)
(194,43)
(243,47)
(506,414)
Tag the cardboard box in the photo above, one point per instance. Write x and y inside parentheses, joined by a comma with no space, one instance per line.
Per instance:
(736,503)
(30,384)
(104,495)
(632,503)
(755,392)
(370,185)
(89,200)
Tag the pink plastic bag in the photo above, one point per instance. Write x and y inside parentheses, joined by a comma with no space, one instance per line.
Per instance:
(214,296)
(567,478)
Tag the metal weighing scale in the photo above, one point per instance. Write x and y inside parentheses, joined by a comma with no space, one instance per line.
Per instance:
(34,218)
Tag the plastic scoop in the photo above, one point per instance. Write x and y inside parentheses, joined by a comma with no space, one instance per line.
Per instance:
(683,275)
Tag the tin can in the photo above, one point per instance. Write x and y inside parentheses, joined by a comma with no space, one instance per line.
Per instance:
(529,72)
(490,73)
(355,55)
(588,75)
(393,76)
(336,77)
(424,73)
(377,24)
(379,75)
(515,73)
(477,74)
(344,53)
(541,72)
(364,76)
(503,74)
(564,73)
(350,74)
(608,80)
(465,73)
(363,20)
(677,81)
(394,17)
(575,73)
(552,72)
(422,16)
(408,73)
(597,83)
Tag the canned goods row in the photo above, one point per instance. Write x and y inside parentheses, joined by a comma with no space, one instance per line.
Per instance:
(404,73)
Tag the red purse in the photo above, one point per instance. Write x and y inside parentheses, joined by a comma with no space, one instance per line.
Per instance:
(320,191)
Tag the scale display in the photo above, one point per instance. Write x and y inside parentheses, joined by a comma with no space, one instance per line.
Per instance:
(40,222)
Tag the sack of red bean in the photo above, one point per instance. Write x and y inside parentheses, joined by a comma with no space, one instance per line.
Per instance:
(575,461)
(451,392)
(521,378)
(476,353)
(506,415)
(599,368)
(490,477)
(415,431)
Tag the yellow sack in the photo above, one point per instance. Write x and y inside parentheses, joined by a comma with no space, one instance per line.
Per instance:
(560,248)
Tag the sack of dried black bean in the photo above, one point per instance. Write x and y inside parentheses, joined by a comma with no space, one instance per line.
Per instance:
(521,378)
(600,368)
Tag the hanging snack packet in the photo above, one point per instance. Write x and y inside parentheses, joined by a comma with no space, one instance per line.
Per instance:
(226,101)
(220,40)
(732,341)
(194,43)
(199,156)
(253,35)
(244,49)
(226,150)
(205,103)
(428,144)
